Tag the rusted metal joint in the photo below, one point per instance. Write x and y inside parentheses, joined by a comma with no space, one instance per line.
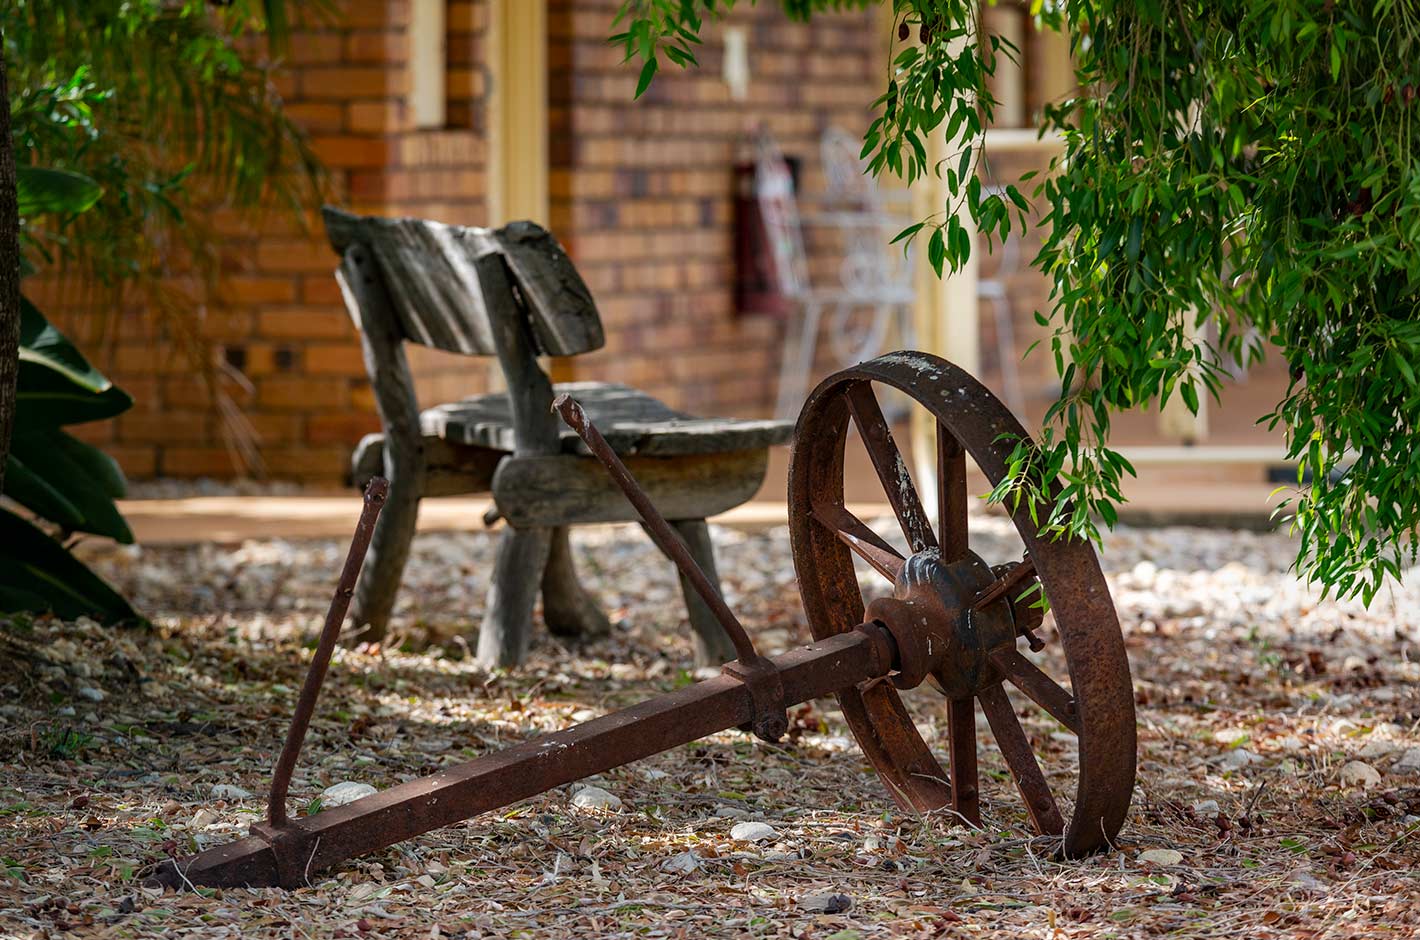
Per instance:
(770,715)
(292,848)
(882,656)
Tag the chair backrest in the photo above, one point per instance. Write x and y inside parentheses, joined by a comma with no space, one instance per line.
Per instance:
(430,274)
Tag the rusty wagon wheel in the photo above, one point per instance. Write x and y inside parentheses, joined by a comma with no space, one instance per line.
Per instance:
(978,614)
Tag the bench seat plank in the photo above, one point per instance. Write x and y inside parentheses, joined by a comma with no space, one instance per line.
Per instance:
(631,421)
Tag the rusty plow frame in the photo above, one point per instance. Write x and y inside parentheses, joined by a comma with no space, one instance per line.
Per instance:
(951,621)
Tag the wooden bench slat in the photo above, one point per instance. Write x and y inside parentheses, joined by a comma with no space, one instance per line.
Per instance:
(631,421)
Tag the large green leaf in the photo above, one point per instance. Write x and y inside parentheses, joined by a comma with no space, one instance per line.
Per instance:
(31,490)
(46,398)
(42,189)
(79,475)
(37,574)
(42,344)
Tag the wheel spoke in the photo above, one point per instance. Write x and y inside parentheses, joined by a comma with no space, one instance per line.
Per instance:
(1016,749)
(892,470)
(1040,688)
(998,588)
(961,730)
(951,496)
(863,541)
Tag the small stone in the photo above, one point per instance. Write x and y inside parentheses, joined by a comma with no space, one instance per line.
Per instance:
(202,819)
(1164,857)
(66,712)
(584,714)
(652,773)
(1144,574)
(1237,759)
(825,902)
(91,693)
(1378,747)
(683,863)
(1409,762)
(596,798)
(227,791)
(730,812)
(1360,774)
(1206,807)
(347,792)
(753,832)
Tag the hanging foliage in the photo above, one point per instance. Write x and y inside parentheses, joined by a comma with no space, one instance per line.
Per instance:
(1249,163)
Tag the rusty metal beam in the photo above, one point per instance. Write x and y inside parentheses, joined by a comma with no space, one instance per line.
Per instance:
(493,780)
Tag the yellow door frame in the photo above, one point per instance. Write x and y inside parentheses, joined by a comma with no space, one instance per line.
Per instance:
(517,111)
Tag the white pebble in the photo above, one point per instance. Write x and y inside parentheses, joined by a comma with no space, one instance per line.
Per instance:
(1409,762)
(753,832)
(596,798)
(1360,774)
(347,792)
(202,819)
(227,791)
(1237,759)
(91,693)
(684,863)
(825,902)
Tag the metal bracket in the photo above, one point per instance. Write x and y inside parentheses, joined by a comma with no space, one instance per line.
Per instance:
(289,849)
(770,717)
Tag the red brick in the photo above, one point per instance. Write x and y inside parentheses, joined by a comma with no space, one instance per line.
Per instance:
(354,152)
(196,462)
(334,359)
(169,426)
(304,323)
(344,83)
(302,393)
(257,289)
(343,428)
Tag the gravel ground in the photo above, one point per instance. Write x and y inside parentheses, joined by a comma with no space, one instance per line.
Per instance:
(1278,795)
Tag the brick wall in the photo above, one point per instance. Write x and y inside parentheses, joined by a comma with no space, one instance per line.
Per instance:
(642,190)
(292,358)
(641,194)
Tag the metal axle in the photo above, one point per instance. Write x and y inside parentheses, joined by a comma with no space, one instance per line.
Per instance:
(301,847)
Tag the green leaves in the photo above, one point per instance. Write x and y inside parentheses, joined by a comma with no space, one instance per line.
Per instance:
(44,190)
(1240,174)
(59,478)
(57,385)
(38,574)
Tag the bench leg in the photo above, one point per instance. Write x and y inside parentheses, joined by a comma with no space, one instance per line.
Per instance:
(567,609)
(517,573)
(378,586)
(712,644)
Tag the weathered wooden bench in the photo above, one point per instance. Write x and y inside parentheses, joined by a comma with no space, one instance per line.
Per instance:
(514,294)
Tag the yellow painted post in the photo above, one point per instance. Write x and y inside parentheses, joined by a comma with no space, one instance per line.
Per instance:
(517,111)
(945,314)
(517,115)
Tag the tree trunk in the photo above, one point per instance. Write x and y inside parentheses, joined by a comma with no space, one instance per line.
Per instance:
(9,275)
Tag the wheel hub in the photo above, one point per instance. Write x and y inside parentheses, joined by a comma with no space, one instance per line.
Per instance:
(939,636)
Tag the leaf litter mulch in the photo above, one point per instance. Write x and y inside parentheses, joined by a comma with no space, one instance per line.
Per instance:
(1278,795)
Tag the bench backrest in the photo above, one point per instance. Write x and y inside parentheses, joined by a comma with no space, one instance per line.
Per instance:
(431,274)
(510,292)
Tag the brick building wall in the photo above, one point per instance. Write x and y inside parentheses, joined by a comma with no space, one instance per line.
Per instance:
(642,191)
(291,357)
(641,194)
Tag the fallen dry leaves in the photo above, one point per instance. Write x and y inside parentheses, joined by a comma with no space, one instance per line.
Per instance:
(120,747)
